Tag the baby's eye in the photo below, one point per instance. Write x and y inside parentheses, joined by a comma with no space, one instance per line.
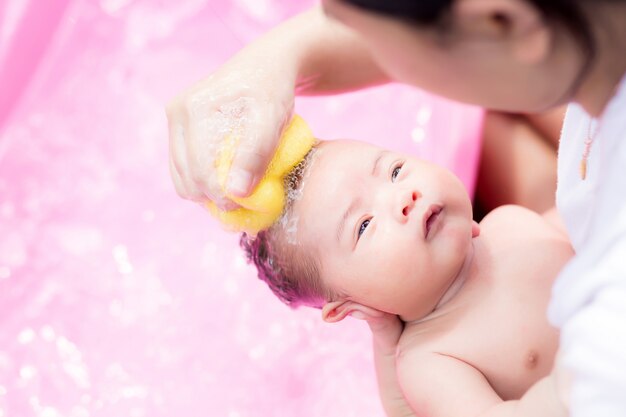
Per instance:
(363,227)
(395,172)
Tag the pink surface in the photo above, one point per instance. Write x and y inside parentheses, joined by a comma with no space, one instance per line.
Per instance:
(117,298)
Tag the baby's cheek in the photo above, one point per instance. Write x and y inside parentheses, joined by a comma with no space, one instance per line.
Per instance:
(458,238)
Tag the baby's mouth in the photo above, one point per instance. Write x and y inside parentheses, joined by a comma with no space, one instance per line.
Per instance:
(431,217)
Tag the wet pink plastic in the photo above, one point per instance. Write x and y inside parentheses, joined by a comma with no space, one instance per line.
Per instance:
(117,298)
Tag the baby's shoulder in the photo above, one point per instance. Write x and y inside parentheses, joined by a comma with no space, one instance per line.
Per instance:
(422,338)
(413,347)
(516,234)
(508,213)
(512,220)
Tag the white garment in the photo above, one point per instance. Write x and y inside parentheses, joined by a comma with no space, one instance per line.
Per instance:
(589,297)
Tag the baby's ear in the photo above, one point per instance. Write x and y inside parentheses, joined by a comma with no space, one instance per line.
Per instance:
(336,311)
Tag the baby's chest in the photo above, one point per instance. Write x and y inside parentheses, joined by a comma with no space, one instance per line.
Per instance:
(503,330)
(508,338)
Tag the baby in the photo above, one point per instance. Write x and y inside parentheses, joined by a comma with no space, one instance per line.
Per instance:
(380,235)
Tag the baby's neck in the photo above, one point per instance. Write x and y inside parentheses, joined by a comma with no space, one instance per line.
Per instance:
(476,256)
(476,253)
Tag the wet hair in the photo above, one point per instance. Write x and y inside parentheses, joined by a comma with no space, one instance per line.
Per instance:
(289,269)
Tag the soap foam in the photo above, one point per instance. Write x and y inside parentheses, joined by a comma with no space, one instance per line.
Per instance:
(294,183)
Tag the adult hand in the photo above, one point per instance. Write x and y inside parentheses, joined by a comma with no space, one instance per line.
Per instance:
(243,100)
(386,328)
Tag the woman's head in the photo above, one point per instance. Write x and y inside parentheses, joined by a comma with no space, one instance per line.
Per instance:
(383,230)
(512,55)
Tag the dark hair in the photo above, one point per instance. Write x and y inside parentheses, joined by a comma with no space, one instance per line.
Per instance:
(289,269)
(433,13)
(567,13)
(423,12)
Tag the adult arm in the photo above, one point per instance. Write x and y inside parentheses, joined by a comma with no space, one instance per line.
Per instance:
(252,96)
(331,58)
(386,331)
(385,335)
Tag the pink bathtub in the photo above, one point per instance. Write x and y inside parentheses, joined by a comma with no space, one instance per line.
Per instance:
(119,299)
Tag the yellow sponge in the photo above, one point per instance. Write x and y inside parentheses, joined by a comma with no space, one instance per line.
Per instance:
(262,208)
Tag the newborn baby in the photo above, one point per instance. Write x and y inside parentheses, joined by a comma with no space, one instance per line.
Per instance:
(377,235)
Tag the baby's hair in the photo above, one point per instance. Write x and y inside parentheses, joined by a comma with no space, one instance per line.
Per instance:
(289,269)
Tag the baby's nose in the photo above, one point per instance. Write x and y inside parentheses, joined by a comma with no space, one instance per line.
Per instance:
(406,204)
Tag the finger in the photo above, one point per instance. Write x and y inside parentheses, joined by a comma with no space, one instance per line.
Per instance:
(178,184)
(387,324)
(358,315)
(368,311)
(253,155)
(226,204)
(178,160)
(201,147)
(206,134)
(183,189)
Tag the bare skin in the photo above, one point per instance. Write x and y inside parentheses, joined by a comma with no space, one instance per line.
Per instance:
(518,160)
(493,334)
(309,54)
(473,336)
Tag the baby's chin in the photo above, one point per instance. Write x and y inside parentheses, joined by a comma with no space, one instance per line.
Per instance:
(455,239)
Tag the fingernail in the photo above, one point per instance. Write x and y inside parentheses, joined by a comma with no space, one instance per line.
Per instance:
(239,182)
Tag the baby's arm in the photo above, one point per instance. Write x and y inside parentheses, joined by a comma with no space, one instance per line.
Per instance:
(438,385)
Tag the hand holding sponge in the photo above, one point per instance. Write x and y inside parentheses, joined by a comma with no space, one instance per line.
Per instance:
(264,206)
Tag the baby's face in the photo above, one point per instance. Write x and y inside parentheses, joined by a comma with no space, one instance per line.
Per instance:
(390,231)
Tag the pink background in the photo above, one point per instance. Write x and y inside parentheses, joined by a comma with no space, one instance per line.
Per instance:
(117,298)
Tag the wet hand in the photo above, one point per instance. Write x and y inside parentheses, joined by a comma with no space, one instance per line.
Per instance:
(244,101)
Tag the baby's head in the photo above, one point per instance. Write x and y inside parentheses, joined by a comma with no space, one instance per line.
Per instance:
(367,227)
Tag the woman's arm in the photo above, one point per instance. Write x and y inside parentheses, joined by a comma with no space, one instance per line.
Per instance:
(326,57)
(391,395)
(252,94)
(386,332)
